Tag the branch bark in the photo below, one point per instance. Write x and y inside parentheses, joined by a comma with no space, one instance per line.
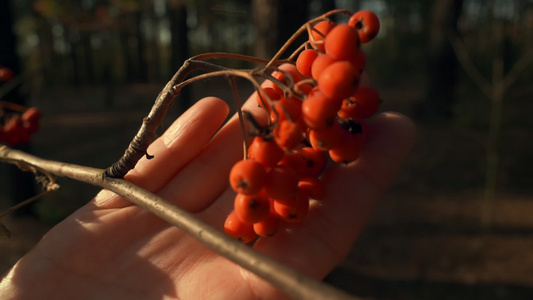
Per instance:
(288,280)
(147,133)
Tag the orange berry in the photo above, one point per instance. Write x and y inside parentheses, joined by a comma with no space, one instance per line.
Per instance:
(364,103)
(349,150)
(269,225)
(366,23)
(305,60)
(265,151)
(312,186)
(15,132)
(238,229)
(295,210)
(321,62)
(247,176)
(320,30)
(285,70)
(338,81)
(287,108)
(262,99)
(251,209)
(294,160)
(315,161)
(318,111)
(281,183)
(288,134)
(342,42)
(358,60)
(326,139)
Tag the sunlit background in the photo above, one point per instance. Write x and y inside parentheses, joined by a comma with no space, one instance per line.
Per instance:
(457,222)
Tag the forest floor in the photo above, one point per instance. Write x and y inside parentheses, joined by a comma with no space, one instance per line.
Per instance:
(424,240)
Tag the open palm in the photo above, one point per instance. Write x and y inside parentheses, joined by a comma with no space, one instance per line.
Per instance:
(111,249)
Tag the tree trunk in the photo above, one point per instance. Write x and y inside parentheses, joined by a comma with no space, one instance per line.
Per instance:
(274,22)
(142,61)
(128,55)
(437,104)
(292,15)
(179,45)
(265,15)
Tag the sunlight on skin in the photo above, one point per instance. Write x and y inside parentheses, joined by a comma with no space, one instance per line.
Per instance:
(110,249)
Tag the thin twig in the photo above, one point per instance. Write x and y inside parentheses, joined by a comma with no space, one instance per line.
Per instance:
(286,279)
(13,208)
(238,103)
(214,55)
(147,133)
(300,31)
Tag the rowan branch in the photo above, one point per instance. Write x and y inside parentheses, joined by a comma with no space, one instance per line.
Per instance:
(286,279)
(147,133)
(300,31)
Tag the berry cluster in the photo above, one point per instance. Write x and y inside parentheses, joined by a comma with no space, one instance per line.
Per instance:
(316,109)
(16,128)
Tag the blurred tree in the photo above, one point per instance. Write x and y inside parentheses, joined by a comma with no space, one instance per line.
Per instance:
(274,22)
(265,14)
(441,62)
(503,74)
(179,44)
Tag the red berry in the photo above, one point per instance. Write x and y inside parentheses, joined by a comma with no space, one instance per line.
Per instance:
(320,30)
(318,111)
(262,99)
(338,81)
(281,183)
(15,132)
(358,60)
(265,151)
(293,211)
(269,225)
(238,229)
(342,42)
(321,62)
(251,209)
(31,114)
(315,161)
(287,108)
(288,134)
(366,23)
(305,60)
(283,74)
(349,150)
(363,104)
(312,186)
(294,160)
(247,177)
(326,139)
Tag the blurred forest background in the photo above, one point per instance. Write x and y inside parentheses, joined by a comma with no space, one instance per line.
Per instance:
(457,222)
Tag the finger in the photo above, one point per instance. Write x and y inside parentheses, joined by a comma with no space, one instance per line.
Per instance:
(205,178)
(332,225)
(181,142)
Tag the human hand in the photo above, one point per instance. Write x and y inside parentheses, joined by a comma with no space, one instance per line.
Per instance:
(111,249)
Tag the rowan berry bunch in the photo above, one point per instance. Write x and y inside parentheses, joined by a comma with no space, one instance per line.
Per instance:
(17,123)
(317,111)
